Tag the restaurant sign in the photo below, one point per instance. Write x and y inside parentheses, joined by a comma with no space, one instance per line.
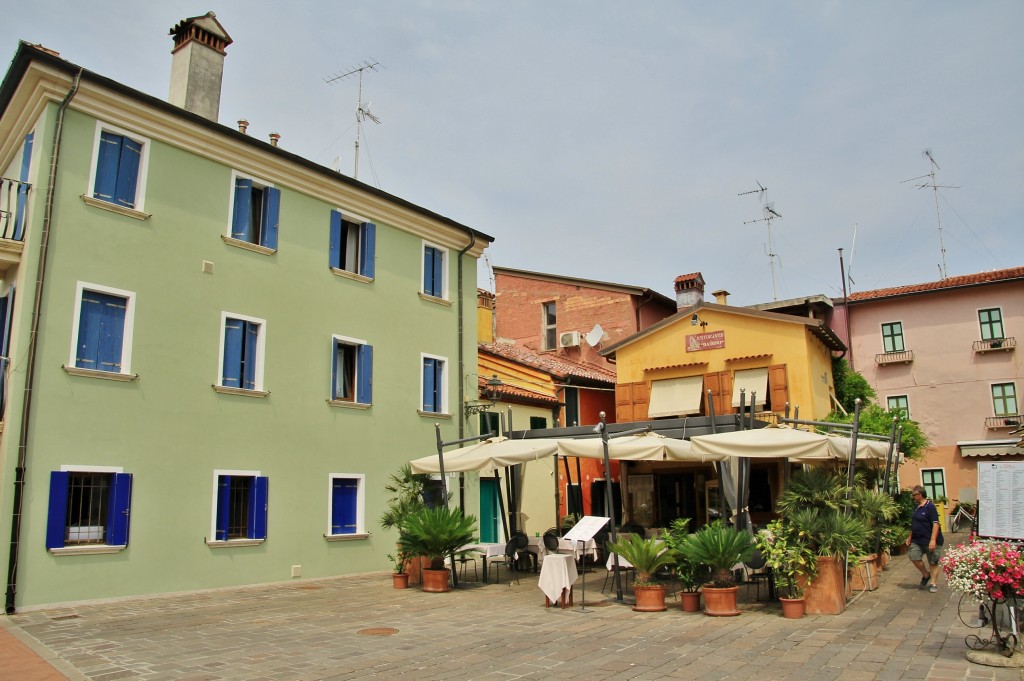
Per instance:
(713,340)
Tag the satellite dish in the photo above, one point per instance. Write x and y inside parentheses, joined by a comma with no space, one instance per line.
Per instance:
(595,336)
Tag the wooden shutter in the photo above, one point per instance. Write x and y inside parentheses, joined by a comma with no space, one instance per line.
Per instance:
(108,156)
(334,252)
(367,248)
(719,385)
(119,510)
(223,507)
(232,371)
(127,173)
(252,335)
(56,520)
(641,400)
(364,374)
(243,208)
(631,401)
(258,498)
(778,387)
(271,216)
(429,386)
(343,506)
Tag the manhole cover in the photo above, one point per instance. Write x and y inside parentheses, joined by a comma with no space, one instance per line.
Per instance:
(64,617)
(378,631)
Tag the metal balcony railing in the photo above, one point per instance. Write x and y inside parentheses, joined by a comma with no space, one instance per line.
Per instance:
(13,203)
(994,344)
(1006,421)
(903,356)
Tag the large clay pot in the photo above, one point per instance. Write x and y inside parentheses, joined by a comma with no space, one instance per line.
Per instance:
(415,566)
(690,601)
(863,576)
(435,581)
(649,598)
(400,580)
(720,602)
(826,594)
(793,608)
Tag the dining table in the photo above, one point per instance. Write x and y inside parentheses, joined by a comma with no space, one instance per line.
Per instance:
(485,550)
(557,575)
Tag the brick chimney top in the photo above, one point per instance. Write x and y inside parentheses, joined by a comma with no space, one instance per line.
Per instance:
(204,29)
(689,290)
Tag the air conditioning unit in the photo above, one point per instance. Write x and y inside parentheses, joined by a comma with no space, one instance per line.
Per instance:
(569,339)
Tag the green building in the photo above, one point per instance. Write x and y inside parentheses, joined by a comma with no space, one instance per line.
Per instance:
(214,351)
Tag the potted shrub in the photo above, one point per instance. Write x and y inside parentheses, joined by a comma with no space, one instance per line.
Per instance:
(646,556)
(689,573)
(790,557)
(400,577)
(436,533)
(719,548)
(406,496)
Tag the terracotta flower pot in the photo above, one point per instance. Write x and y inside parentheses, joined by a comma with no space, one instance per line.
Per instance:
(690,601)
(720,602)
(649,598)
(400,580)
(435,581)
(826,594)
(793,608)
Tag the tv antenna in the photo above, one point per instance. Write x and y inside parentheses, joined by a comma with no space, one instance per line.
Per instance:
(935,187)
(769,213)
(362,108)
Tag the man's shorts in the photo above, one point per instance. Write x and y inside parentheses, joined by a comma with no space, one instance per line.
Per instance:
(917,552)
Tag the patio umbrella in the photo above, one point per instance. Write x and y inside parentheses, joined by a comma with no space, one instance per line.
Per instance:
(494,452)
(643,447)
(761,443)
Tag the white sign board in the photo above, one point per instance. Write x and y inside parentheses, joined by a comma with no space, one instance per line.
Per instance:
(586,528)
(1000,495)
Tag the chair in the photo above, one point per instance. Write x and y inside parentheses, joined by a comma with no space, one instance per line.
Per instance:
(463,560)
(511,557)
(756,572)
(550,542)
(522,541)
(622,571)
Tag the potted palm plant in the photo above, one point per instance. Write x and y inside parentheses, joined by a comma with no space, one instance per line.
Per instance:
(788,554)
(719,547)
(436,533)
(646,556)
(406,496)
(691,574)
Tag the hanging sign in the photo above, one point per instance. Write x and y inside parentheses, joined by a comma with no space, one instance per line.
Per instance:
(713,340)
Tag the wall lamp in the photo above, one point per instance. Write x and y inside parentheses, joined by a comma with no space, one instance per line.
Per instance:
(697,321)
(477,406)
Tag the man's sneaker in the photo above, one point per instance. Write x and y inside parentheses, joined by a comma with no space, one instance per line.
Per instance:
(924,583)
(933,588)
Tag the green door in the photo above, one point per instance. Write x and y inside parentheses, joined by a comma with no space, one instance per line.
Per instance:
(488,510)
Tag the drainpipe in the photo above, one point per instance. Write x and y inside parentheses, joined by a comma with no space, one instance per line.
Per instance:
(462,362)
(19,473)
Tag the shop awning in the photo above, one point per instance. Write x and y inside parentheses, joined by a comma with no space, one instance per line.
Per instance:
(753,381)
(990,448)
(675,396)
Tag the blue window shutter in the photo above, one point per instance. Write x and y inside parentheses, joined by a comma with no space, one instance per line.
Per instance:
(5,344)
(240,216)
(119,510)
(344,506)
(367,250)
(232,374)
(223,507)
(111,332)
(258,508)
(106,166)
(271,212)
(90,329)
(335,368)
(252,334)
(57,518)
(26,163)
(334,255)
(428,271)
(438,272)
(364,374)
(429,385)
(127,173)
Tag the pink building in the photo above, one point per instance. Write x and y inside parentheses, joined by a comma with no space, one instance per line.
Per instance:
(947,352)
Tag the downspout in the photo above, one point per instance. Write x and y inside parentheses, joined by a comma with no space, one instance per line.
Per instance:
(462,367)
(30,372)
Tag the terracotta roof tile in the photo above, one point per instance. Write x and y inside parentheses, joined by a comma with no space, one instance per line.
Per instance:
(950,282)
(556,366)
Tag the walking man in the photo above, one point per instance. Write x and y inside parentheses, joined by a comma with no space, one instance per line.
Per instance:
(925,540)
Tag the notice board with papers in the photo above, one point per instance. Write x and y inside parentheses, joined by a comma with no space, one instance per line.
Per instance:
(1000,491)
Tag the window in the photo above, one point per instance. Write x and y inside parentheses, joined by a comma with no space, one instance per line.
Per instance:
(352,371)
(435,275)
(240,506)
(102,329)
(934,482)
(88,508)
(119,168)
(538,423)
(490,423)
(347,501)
(572,407)
(991,322)
(242,352)
(574,500)
(26,167)
(255,208)
(899,403)
(892,337)
(352,245)
(1004,399)
(548,325)
(435,382)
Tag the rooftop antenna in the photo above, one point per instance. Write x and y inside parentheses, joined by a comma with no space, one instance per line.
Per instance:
(362,109)
(769,213)
(935,187)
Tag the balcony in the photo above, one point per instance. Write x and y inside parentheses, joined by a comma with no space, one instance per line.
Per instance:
(994,345)
(1006,421)
(901,357)
(13,205)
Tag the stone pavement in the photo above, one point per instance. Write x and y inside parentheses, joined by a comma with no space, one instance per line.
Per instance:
(359,626)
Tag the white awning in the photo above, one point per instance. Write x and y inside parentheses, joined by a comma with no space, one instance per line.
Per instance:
(753,381)
(675,396)
(990,448)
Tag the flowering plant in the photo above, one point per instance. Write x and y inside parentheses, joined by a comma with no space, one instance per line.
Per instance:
(985,569)
(788,553)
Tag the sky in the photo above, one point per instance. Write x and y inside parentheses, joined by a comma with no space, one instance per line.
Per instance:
(614,141)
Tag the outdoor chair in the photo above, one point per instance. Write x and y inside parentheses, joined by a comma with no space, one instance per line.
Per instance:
(522,541)
(509,563)
(756,572)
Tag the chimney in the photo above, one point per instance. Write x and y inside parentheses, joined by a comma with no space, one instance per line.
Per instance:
(274,137)
(689,290)
(197,64)
(243,125)
(721,296)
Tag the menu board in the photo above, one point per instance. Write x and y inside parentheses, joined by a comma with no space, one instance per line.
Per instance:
(1000,495)
(586,528)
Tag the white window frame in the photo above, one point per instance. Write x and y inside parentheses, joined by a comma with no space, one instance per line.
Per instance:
(89,548)
(444,383)
(360,532)
(892,397)
(140,185)
(213,508)
(261,349)
(355,343)
(126,336)
(546,328)
(257,183)
(445,266)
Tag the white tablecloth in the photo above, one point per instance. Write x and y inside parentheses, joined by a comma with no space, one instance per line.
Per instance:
(486,550)
(536,545)
(558,572)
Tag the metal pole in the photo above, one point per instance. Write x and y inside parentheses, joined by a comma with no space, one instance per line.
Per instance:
(603,426)
(888,456)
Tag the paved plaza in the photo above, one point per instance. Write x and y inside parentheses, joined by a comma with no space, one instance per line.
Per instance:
(359,627)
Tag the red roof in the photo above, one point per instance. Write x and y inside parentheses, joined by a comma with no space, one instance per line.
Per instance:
(951,282)
(548,363)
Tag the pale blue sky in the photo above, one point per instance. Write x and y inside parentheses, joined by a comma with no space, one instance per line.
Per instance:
(609,140)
